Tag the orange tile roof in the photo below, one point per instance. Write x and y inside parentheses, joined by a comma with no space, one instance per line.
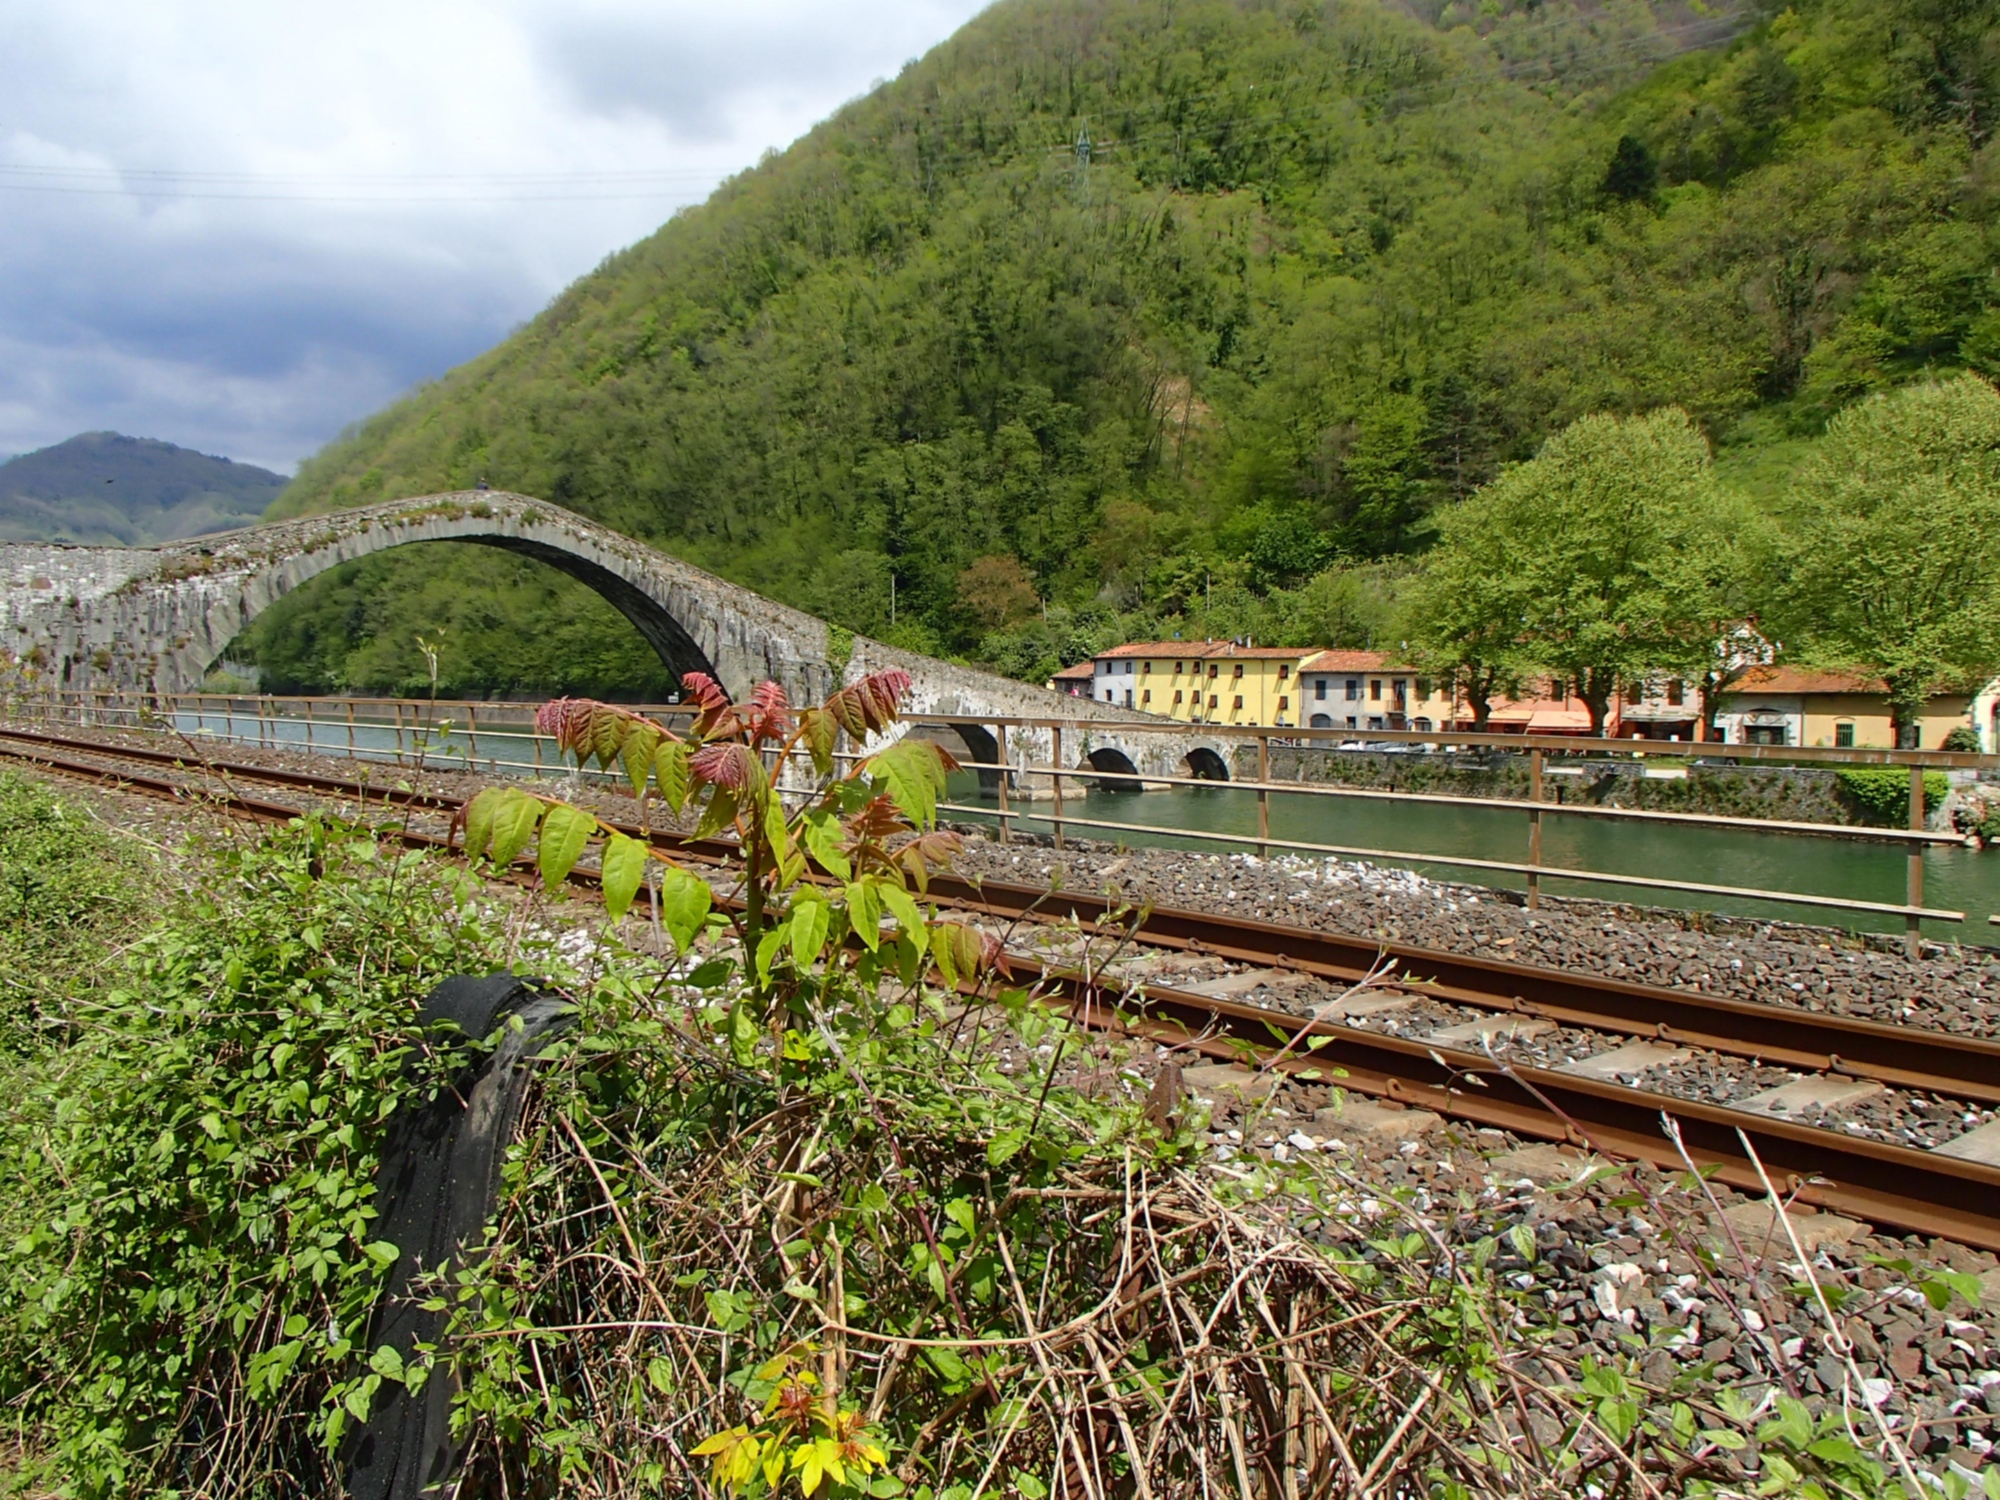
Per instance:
(1260,653)
(1346,661)
(1083,671)
(1806,680)
(1163,648)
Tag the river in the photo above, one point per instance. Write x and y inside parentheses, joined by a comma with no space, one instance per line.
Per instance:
(1954,878)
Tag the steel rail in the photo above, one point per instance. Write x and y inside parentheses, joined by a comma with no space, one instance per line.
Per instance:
(1898,1056)
(1885,1184)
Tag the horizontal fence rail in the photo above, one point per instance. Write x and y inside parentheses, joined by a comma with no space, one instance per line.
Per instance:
(446,735)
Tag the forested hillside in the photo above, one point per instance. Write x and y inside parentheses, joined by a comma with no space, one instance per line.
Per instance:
(1124,315)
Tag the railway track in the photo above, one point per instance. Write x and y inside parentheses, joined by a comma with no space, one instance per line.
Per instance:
(1603,1098)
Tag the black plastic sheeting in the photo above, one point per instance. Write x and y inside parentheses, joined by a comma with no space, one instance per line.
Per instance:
(435,1192)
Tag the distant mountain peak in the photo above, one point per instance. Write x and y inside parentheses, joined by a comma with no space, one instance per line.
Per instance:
(105,488)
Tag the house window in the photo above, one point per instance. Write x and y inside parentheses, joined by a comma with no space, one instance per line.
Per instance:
(1213,669)
(1321,721)
(1283,704)
(1843,736)
(1353,694)
(1147,696)
(1424,686)
(1213,701)
(1107,695)
(1284,670)
(1559,691)
(1177,696)
(1145,669)
(1764,734)
(1676,692)
(1402,692)
(1350,722)
(1128,697)
(1319,689)
(1374,690)
(1420,725)
(1238,672)
(1238,703)
(1128,669)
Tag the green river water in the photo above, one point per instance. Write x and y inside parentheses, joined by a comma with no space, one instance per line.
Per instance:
(1954,878)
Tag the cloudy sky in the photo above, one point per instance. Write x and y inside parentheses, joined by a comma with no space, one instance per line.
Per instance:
(242,226)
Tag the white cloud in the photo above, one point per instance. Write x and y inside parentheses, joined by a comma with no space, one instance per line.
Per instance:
(241,227)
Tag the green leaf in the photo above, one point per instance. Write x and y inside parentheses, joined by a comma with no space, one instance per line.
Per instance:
(1005,1146)
(684,903)
(903,907)
(1965,1285)
(636,755)
(479,819)
(514,820)
(566,833)
(624,869)
(670,771)
(873,1199)
(809,921)
(822,839)
(1522,1238)
(768,945)
(914,776)
(864,912)
(387,1361)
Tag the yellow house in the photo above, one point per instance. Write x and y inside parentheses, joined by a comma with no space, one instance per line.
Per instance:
(1795,706)
(1203,682)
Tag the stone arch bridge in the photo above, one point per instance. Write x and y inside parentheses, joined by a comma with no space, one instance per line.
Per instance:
(153,620)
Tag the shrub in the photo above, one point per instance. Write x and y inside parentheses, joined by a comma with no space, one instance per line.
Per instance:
(194,1268)
(1880,795)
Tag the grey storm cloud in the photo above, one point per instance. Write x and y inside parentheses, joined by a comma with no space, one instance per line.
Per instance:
(244,228)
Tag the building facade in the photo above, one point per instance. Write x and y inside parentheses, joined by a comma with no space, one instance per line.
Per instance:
(1203,682)
(1795,706)
(1364,690)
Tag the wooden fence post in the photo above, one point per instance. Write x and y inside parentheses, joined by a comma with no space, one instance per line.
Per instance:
(1000,754)
(1913,886)
(1263,796)
(1535,831)
(1056,761)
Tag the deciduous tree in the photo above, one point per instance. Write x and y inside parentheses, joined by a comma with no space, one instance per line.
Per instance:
(1607,557)
(1890,558)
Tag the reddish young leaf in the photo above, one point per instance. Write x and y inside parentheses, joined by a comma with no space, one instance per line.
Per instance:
(770,714)
(709,698)
(565,719)
(879,819)
(869,705)
(728,764)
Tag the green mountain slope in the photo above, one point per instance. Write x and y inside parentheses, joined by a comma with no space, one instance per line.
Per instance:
(1134,305)
(102,488)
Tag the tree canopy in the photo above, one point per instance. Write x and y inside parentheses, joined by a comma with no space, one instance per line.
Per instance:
(1605,559)
(1322,271)
(1890,558)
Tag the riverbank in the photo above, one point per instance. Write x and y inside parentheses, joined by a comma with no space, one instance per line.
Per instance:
(1805,794)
